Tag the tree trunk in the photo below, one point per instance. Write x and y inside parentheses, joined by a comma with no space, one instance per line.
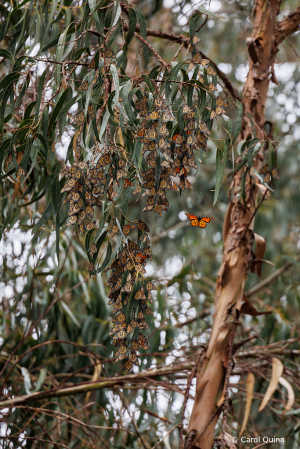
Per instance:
(212,381)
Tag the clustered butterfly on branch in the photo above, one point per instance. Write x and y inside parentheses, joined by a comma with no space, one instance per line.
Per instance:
(150,128)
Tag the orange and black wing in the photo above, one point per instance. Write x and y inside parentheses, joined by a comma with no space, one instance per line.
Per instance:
(194,220)
(203,221)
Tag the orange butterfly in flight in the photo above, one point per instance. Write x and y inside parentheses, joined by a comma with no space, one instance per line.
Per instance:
(198,221)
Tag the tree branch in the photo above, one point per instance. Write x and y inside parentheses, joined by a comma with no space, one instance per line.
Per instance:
(287,26)
(270,278)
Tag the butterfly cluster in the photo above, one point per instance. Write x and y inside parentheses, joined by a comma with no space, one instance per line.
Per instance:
(129,294)
(268,174)
(166,134)
(166,156)
(81,197)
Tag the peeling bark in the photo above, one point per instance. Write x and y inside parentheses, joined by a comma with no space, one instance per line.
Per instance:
(211,389)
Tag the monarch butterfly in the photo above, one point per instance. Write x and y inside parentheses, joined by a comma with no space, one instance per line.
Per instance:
(158,209)
(112,279)
(178,139)
(117,327)
(133,246)
(150,286)
(141,226)
(80,228)
(93,249)
(91,225)
(91,267)
(143,342)
(148,311)
(140,269)
(134,344)
(121,357)
(163,130)
(197,58)
(97,76)
(120,317)
(149,204)
(84,86)
(114,231)
(127,229)
(152,116)
(143,324)
(211,71)
(120,334)
(92,64)
(133,357)
(128,366)
(80,118)
(190,126)
(81,165)
(127,183)
(72,220)
(212,87)
(117,306)
(199,222)
(138,189)
(109,53)
(204,62)
(158,103)
(275,173)
(163,144)
(91,110)
(104,160)
(142,103)
(167,117)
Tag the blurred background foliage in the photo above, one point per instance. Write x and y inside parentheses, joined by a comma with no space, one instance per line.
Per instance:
(71,344)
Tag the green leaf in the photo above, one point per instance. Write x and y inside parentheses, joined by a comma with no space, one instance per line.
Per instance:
(132,24)
(238,123)
(115,76)
(7,55)
(209,13)
(106,260)
(220,168)
(193,23)
(39,96)
(23,91)
(116,14)
(149,84)
(104,124)
(4,103)
(45,217)
(127,107)
(143,32)
(228,129)
(40,380)
(27,380)
(70,313)
(56,110)
(43,142)
(11,77)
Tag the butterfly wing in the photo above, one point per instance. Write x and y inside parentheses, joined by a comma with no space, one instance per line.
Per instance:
(191,217)
(203,221)
(207,219)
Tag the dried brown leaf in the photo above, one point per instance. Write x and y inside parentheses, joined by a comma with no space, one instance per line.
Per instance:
(249,388)
(277,370)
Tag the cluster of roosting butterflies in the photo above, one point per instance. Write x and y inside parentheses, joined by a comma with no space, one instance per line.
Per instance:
(129,293)
(168,157)
(168,150)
